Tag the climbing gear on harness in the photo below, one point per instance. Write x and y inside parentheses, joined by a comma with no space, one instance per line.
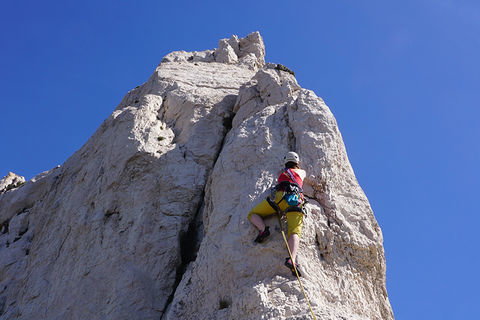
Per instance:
(294,209)
(292,199)
(292,192)
(262,235)
(291,184)
(289,265)
(274,205)
(291,157)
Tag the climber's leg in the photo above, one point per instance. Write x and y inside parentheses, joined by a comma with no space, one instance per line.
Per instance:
(295,223)
(260,211)
(293,243)
(256,215)
(257,221)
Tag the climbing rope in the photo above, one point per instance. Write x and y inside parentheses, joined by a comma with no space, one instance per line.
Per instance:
(279,212)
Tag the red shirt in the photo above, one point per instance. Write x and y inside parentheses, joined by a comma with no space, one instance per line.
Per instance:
(284,176)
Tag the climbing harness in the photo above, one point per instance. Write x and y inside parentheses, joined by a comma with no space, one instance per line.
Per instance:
(291,185)
(292,193)
(280,213)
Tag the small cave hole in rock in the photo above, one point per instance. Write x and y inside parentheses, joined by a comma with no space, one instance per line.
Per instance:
(227,122)
(188,244)
(223,304)
(110,213)
(4,227)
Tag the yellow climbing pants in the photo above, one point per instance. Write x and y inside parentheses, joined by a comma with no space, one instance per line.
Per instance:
(294,218)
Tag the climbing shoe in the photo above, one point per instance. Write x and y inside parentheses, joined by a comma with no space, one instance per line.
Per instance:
(262,235)
(289,265)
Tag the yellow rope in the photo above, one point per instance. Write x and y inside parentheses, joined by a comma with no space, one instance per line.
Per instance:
(295,267)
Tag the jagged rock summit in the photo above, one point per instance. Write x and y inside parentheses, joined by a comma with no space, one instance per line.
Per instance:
(11,181)
(148,219)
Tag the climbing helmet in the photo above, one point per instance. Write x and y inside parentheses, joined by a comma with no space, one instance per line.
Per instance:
(292,157)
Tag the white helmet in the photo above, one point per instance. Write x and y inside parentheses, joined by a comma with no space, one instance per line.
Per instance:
(292,157)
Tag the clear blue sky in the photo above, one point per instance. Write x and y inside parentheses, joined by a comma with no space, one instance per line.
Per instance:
(401,77)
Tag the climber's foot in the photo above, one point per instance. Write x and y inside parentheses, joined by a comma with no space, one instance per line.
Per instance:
(289,265)
(262,235)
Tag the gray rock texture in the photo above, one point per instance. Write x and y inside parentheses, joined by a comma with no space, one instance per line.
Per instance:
(148,219)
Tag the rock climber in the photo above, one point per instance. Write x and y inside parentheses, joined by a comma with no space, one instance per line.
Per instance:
(288,197)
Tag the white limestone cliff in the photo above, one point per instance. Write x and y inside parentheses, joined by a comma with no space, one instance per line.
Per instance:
(148,219)
(11,181)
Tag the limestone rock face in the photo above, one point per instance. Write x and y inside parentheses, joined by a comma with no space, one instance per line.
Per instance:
(11,181)
(148,219)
